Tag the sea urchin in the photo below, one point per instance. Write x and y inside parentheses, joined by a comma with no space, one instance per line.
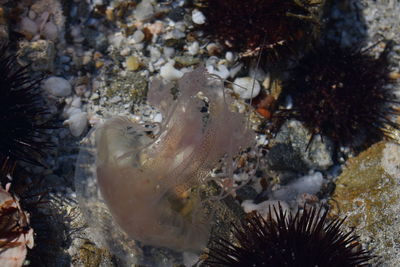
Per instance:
(303,240)
(21,110)
(343,94)
(247,26)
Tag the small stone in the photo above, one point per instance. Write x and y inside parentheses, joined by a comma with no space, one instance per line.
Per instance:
(186,61)
(57,86)
(77,123)
(99,64)
(138,36)
(267,82)
(213,49)
(132,63)
(168,52)
(193,49)
(315,153)
(177,14)
(246,87)
(177,34)
(198,17)
(110,14)
(125,51)
(80,90)
(40,54)
(169,72)
(144,10)
(229,56)
(115,99)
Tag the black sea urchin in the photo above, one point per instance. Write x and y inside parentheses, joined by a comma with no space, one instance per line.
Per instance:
(274,26)
(343,94)
(303,240)
(21,110)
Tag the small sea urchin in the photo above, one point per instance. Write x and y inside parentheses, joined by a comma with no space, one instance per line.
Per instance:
(343,94)
(21,112)
(274,26)
(303,240)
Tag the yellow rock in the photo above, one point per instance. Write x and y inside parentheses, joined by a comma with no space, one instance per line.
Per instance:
(132,63)
(368,194)
(99,64)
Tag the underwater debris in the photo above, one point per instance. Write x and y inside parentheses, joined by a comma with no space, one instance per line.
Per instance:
(150,175)
(305,239)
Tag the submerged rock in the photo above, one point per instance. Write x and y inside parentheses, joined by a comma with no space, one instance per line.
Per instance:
(368,193)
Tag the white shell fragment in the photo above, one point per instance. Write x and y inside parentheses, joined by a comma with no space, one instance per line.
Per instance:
(198,17)
(57,86)
(193,49)
(246,87)
(169,72)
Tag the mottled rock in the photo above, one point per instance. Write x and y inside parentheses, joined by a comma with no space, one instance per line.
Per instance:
(131,88)
(368,193)
(40,54)
(318,154)
(92,256)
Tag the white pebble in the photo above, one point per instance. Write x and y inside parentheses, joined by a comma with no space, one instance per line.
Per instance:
(169,72)
(125,52)
(157,117)
(244,87)
(177,34)
(198,17)
(193,48)
(77,123)
(221,71)
(138,36)
(229,56)
(57,86)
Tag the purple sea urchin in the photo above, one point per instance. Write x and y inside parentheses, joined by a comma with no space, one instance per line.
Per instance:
(343,94)
(304,240)
(21,109)
(274,26)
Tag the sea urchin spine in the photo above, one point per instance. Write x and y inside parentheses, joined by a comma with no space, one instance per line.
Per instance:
(343,94)
(21,112)
(304,240)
